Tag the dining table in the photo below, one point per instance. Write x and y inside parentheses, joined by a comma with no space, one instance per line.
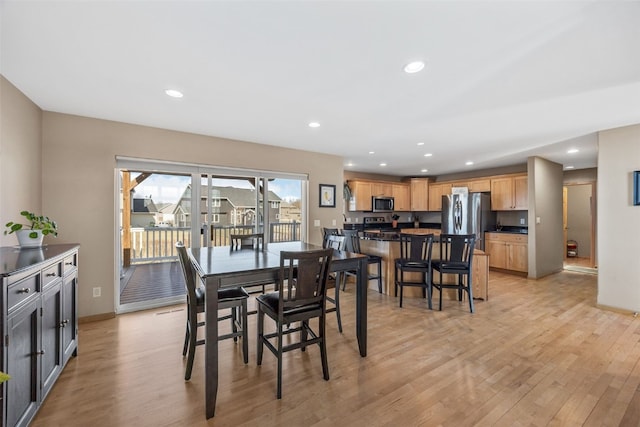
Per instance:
(219,267)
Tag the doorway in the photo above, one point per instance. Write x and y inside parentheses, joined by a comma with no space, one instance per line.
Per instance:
(579,224)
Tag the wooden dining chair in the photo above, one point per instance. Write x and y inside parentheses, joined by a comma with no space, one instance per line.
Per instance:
(251,241)
(415,257)
(302,284)
(228,298)
(352,244)
(456,258)
(337,243)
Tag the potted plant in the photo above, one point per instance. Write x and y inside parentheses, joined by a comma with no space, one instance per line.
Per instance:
(31,233)
(4,377)
(394,220)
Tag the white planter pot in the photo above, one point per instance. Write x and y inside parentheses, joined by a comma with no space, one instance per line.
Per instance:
(27,242)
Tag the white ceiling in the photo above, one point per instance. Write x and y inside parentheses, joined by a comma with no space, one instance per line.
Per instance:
(503,81)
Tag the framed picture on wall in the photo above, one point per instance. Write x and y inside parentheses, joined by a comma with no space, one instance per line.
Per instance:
(636,188)
(327,196)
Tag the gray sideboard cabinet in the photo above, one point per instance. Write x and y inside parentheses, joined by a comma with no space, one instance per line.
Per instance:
(39,324)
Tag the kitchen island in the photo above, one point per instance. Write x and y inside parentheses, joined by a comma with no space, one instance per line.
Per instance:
(386,244)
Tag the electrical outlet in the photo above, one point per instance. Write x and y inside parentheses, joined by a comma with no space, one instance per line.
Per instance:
(348,219)
(538,220)
(316,223)
(334,223)
(97,292)
(521,221)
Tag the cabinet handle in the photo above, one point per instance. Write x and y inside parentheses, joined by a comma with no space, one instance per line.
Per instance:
(51,274)
(41,352)
(24,291)
(68,263)
(64,323)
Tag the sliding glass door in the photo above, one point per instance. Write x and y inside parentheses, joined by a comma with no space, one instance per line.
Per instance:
(160,203)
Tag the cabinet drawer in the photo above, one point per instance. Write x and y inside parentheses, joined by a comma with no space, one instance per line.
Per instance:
(70,263)
(21,291)
(507,237)
(51,274)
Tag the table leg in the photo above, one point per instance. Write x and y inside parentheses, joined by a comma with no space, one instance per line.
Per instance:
(361,305)
(211,346)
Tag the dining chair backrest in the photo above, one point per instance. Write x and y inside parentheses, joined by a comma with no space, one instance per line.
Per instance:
(188,271)
(326,232)
(351,241)
(416,247)
(336,242)
(303,278)
(457,249)
(247,241)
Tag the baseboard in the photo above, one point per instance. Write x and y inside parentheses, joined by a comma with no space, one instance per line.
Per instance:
(96,317)
(617,310)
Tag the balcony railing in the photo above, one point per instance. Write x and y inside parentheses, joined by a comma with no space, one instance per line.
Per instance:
(153,244)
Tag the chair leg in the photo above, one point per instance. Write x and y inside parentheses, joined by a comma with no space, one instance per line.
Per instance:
(379,277)
(234,322)
(440,289)
(401,289)
(260,328)
(279,390)
(337,298)
(395,281)
(193,332)
(470,292)
(323,348)
(186,339)
(429,290)
(245,335)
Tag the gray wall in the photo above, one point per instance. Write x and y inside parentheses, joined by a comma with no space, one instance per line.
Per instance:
(579,217)
(546,237)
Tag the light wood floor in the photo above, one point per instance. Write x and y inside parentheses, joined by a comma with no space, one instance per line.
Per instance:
(537,353)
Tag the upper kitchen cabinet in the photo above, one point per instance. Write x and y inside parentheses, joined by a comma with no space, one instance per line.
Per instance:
(419,194)
(436,191)
(479,185)
(361,192)
(382,189)
(509,193)
(401,193)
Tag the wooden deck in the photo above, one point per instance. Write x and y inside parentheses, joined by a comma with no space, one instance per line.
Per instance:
(144,282)
(539,352)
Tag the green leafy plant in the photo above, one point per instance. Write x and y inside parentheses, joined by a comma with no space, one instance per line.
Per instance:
(34,222)
(3,377)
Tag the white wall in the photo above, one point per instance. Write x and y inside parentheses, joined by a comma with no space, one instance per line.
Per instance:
(618,219)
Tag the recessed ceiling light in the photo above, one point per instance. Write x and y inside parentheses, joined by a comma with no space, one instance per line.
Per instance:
(413,67)
(569,167)
(428,155)
(572,151)
(314,124)
(424,170)
(469,163)
(174,93)
(372,152)
(420,143)
(383,164)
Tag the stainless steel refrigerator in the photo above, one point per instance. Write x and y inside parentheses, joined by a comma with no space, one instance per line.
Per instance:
(468,214)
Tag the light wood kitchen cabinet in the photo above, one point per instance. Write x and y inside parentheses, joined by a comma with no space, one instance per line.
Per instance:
(401,197)
(419,194)
(361,193)
(508,251)
(479,185)
(436,191)
(380,188)
(509,193)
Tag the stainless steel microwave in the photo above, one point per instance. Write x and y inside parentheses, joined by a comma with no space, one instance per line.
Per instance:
(382,204)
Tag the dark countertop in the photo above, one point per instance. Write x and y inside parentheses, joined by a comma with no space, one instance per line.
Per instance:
(511,230)
(14,259)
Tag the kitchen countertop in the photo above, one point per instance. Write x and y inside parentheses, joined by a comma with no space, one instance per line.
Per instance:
(511,230)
